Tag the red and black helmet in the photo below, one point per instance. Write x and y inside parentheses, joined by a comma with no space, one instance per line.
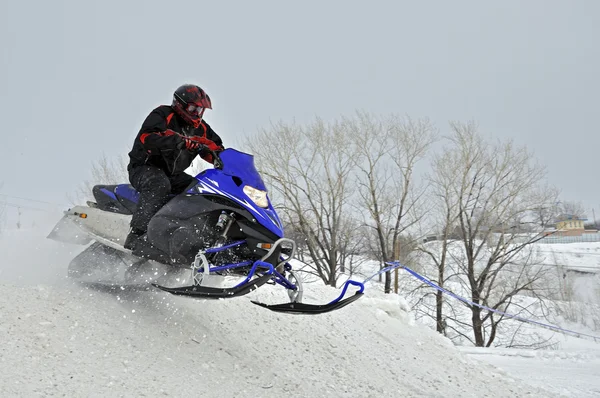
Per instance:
(189,102)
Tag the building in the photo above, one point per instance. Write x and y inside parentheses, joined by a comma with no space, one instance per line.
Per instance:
(571,225)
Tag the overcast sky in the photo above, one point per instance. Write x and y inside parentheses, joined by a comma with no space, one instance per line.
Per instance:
(77,78)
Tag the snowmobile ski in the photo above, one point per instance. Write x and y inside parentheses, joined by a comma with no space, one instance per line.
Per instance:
(301,308)
(313,309)
(214,292)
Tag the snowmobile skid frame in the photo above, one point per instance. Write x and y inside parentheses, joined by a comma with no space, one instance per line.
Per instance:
(259,274)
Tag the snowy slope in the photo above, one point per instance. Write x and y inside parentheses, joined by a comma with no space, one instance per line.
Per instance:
(59,338)
(582,257)
(73,341)
(572,373)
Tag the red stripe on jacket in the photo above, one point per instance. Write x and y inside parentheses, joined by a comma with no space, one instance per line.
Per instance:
(165,133)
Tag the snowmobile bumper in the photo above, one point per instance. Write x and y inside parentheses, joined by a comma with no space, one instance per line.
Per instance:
(313,309)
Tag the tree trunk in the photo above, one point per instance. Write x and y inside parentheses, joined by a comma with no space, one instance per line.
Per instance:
(492,333)
(439,296)
(388,282)
(332,269)
(439,301)
(477,326)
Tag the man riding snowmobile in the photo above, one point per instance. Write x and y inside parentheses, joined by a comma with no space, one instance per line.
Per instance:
(220,223)
(165,146)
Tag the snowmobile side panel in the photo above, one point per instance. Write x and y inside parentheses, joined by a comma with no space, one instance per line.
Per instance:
(186,224)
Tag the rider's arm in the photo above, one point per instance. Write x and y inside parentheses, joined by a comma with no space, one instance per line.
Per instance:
(154,133)
(212,136)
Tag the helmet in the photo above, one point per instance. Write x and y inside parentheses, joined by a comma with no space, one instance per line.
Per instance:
(189,102)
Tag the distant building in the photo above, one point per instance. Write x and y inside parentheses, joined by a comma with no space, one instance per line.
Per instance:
(571,225)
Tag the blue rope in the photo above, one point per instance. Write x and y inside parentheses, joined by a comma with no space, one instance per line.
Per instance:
(386,269)
(396,264)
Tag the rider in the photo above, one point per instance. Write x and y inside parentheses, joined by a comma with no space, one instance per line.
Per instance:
(166,145)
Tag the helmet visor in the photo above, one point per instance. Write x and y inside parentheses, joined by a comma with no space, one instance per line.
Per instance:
(195,110)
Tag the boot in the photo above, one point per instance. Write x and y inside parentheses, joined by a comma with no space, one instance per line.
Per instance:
(132,237)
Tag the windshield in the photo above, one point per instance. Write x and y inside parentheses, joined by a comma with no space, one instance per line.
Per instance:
(240,164)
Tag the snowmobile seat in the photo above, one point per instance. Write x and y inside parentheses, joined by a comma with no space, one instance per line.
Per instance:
(127,195)
(120,199)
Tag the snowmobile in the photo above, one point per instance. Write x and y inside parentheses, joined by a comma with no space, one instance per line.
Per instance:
(222,225)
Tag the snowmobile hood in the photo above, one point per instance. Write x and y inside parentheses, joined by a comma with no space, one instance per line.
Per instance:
(238,171)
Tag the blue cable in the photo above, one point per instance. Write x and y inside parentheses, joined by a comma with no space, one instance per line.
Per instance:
(395,264)
(386,269)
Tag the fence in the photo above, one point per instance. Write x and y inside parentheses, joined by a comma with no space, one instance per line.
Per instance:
(595,237)
(524,238)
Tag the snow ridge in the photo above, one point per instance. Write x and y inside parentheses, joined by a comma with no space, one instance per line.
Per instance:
(77,341)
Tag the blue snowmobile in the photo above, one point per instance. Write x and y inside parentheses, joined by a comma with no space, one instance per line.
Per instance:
(223,224)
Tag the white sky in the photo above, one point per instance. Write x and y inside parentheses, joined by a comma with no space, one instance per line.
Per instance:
(77,78)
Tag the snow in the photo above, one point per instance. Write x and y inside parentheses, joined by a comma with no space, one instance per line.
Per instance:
(74,341)
(571,373)
(582,257)
(60,338)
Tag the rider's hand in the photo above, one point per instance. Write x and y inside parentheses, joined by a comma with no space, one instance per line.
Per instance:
(190,145)
(204,151)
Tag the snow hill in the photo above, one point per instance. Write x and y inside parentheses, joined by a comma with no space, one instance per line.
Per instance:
(59,338)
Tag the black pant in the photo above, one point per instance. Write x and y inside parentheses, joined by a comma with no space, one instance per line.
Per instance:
(155,188)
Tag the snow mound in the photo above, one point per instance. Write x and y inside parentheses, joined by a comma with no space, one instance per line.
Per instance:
(60,338)
(71,340)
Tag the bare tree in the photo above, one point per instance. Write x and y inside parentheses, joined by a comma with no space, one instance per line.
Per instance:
(105,170)
(499,186)
(443,180)
(352,247)
(571,209)
(387,151)
(545,214)
(559,211)
(309,169)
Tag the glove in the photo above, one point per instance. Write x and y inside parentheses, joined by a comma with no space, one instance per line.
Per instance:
(208,143)
(190,144)
(205,146)
(204,152)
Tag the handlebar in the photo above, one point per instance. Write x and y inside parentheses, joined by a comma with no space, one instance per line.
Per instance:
(217,162)
(203,150)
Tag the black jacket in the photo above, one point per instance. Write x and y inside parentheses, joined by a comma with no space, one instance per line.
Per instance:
(156,143)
